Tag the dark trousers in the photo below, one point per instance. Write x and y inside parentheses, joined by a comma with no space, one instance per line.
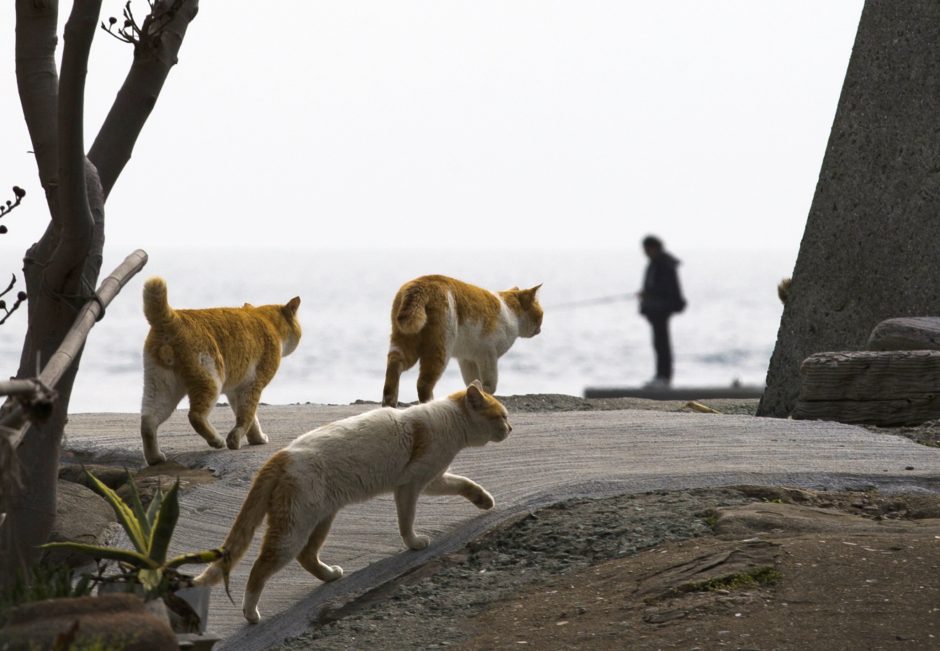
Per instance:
(661,344)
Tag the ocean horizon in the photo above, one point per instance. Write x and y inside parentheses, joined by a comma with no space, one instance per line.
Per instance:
(725,335)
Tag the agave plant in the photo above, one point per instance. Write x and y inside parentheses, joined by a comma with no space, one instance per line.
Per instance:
(150,531)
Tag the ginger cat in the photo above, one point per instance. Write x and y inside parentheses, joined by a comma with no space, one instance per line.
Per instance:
(435,318)
(301,488)
(202,353)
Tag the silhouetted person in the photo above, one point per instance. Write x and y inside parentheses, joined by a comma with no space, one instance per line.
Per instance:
(660,299)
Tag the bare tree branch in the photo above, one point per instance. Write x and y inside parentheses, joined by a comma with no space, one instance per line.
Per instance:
(4,308)
(154,54)
(37,83)
(75,220)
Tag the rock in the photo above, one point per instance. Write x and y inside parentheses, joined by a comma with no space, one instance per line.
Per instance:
(876,387)
(110,476)
(81,516)
(749,557)
(117,621)
(753,519)
(871,224)
(907,333)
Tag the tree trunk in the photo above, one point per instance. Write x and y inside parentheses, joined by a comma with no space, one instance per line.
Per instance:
(59,269)
(62,268)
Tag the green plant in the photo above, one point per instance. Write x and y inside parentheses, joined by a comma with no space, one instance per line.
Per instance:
(149,530)
(758,577)
(42,582)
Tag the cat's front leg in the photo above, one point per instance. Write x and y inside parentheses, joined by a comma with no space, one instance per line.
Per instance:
(488,372)
(448,484)
(406,499)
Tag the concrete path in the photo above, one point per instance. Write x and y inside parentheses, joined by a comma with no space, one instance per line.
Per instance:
(549,456)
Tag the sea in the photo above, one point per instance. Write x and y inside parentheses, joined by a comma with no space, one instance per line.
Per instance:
(592,334)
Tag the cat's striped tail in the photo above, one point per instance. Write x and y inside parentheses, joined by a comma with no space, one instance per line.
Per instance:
(248,519)
(156,307)
(411,315)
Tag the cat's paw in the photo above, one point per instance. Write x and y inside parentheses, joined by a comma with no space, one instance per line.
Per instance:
(154,459)
(252,615)
(417,542)
(483,500)
(218,443)
(259,438)
(233,441)
(332,573)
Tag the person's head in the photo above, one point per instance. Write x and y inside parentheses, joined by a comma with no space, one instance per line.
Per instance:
(652,245)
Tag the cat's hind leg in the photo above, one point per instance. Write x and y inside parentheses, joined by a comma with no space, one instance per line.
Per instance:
(448,484)
(399,360)
(163,391)
(309,556)
(244,403)
(468,370)
(406,499)
(204,392)
(433,364)
(283,540)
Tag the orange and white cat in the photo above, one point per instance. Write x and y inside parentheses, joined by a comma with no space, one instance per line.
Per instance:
(203,353)
(435,318)
(385,450)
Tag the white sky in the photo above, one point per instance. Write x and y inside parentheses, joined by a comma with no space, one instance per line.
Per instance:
(583,123)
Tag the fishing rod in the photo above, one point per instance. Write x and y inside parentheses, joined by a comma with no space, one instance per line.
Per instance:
(593,301)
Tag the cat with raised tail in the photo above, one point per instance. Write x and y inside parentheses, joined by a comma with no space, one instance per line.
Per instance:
(204,353)
(406,452)
(435,318)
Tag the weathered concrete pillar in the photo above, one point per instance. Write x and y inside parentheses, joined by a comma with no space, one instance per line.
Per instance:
(871,248)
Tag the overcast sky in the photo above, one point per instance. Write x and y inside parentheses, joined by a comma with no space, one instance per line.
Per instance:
(449,124)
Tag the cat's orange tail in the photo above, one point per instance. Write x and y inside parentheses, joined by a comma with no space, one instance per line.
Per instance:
(156,307)
(249,517)
(411,315)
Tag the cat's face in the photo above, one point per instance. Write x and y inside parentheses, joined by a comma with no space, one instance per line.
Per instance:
(488,413)
(531,311)
(290,335)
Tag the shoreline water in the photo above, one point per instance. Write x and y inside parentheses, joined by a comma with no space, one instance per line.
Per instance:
(727,333)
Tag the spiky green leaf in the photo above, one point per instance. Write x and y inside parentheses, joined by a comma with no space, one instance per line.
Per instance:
(138,506)
(165,524)
(150,579)
(154,507)
(125,514)
(207,556)
(128,556)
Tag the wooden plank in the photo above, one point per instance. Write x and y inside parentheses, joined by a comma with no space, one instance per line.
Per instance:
(906,333)
(869,375)
(886,413)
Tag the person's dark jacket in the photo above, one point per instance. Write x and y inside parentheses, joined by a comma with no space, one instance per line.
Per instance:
(661,292)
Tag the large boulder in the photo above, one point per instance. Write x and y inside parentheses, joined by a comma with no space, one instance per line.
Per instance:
(81,515)
(116,621)
(872,231)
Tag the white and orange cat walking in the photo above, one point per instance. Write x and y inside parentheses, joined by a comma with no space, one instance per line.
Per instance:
(435,318)
(301,488)
(203,353)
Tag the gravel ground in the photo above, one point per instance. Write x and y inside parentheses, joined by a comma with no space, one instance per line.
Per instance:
(427,608)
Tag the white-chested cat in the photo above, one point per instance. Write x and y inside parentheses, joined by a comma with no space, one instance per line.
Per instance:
(406,452)
(206,352)
(435,318)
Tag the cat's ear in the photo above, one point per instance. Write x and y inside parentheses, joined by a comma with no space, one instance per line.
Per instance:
(292,305)
(247,306)
(530,295)
(475,395)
